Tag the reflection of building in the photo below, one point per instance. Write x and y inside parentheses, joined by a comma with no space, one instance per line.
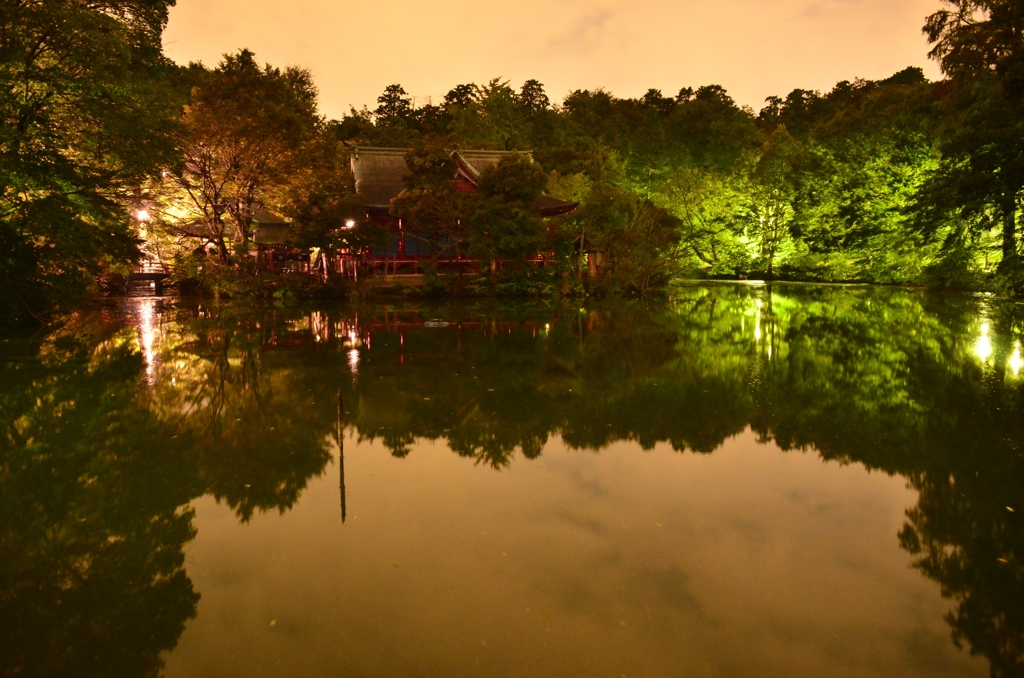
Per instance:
(380,175)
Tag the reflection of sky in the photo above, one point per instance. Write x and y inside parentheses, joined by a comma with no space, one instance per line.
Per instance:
(745,562)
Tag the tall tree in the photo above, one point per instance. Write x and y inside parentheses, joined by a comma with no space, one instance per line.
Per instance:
(980,45)
(432,202)
(505,222)
(245,133)
(82,121)
(770,205)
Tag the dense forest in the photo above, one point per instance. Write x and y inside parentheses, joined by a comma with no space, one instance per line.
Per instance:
(110,152)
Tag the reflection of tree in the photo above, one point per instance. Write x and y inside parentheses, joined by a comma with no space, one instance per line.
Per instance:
(888,379)
(91,490)
(256,430)
(97,472)
(966,530)
(895,382)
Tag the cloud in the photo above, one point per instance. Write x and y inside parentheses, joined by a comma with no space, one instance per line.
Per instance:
(586,34)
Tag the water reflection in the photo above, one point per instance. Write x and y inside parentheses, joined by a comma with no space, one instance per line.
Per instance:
(111,430)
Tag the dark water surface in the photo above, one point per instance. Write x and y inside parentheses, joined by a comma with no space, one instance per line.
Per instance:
(744,481)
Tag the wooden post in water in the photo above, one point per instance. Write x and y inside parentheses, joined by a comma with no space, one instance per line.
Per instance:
(341,451)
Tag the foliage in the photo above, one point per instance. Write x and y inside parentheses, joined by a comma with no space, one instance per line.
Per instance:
(504,223)
(86,108)
(245,135)
(898,180)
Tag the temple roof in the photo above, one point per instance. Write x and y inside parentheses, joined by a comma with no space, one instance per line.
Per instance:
(380,175)
(269,228)
(262,216)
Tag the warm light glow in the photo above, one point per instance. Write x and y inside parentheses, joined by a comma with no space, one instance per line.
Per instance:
(142,215)
(149,336)
(1016,362)
(350,223)
(983,347)
(353,361)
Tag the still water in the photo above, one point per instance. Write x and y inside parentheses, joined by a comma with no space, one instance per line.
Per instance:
(742,481)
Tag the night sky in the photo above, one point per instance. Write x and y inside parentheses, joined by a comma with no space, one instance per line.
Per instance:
(754,48)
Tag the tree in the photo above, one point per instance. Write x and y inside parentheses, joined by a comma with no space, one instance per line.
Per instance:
(394,104)
(770,205)
(643,255)
(533,98)
(978,45)
(868,149)
(432,202)
(505,223)
(709,208)
(244,134)
(86,104)
(492,120)
(320,200)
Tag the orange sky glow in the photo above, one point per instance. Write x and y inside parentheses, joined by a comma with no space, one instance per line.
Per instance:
(753,48)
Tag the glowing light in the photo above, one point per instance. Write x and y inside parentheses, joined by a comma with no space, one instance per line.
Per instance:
(1016,362)
(142,215)
(351,223)
(149,336)
(983,347)
(353,361)
(547,326)
(320,326)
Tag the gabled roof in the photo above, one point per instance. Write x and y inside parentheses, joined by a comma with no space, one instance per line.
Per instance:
(262,216)
(269,228)
(271,234)
(380,175)
(475,162)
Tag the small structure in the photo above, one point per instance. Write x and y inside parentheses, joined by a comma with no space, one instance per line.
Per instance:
(380,175)
(270,235)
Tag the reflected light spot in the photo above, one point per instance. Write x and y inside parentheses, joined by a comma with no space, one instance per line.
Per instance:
(983,347)
(1016,362)
(148,335)
(353,361)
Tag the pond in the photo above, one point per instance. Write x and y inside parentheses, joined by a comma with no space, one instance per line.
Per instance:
(742,480)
